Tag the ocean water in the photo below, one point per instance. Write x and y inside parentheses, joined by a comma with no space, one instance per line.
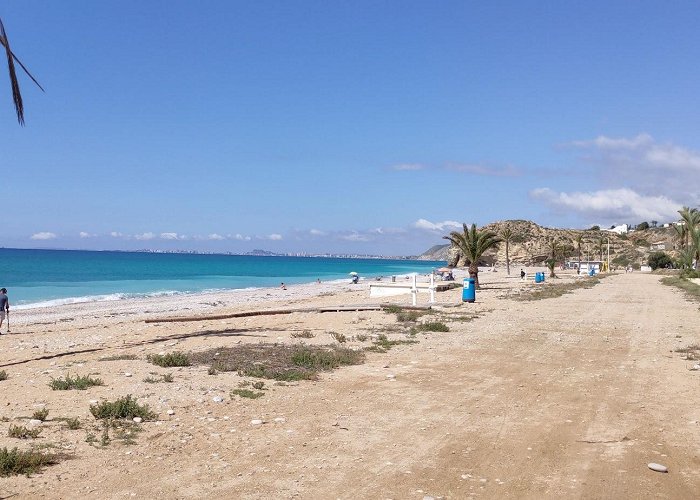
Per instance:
(53,277)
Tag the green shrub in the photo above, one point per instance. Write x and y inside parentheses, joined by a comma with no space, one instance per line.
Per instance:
(169,360)
(659,259)
(21,432)
(80,383)
(14,462)
(125,407)
(40,414)
(433,326)
(246,393)
(73,423)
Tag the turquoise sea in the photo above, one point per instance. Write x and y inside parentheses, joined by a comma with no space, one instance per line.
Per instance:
(54,277)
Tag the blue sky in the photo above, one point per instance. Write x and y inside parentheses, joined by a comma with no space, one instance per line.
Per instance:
(369,127)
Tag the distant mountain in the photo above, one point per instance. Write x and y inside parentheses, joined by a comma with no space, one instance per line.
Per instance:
(262,253)
(529,245)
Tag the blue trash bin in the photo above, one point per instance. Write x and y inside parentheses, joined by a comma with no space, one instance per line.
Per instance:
(542,275)
(469,290)
(538,278)
(591,272)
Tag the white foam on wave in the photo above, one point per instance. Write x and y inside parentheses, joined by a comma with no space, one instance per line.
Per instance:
(96,298)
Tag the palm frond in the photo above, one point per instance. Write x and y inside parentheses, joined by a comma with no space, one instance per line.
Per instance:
(14,82)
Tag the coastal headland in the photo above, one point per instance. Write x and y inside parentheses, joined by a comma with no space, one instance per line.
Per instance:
(528,393)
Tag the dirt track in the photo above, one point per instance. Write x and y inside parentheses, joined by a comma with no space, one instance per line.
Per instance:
(567,397)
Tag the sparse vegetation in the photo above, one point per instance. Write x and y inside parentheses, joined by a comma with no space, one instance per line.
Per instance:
(549,291)
(3,375)
(40,414)
(14,462)
(383,344)
(259,385)
(22,432)
(120,357)
(338,337)
(72,423)
(246,393)
(691,289)
(433,326)
(692,352)
(79,383)
(306,334)
(278,362)
(164,378)
(169,360)
(122,408)
(361,337)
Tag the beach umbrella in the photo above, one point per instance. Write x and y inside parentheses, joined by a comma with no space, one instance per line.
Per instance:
(352,273)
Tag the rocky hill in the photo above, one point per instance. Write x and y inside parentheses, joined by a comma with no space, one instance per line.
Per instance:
(530,243)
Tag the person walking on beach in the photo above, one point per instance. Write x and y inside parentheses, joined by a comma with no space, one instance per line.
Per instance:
(4,307)
(522,274)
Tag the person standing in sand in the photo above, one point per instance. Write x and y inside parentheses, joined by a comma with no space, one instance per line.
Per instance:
(4,306)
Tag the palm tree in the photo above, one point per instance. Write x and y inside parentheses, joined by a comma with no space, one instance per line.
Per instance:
(554,251)
(507,236)
(681,234)
(14,83)
(579,242)
(472,244)
(691,217)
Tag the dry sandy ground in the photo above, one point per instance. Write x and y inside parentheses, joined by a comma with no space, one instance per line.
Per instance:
(567,397)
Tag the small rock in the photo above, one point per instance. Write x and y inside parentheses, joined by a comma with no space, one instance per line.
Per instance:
(256,421)
(127,374)
(391,376)
(138,420)
(217,399)
(34,422)
(696,367)
(171,412)
(658,467)
(280,419)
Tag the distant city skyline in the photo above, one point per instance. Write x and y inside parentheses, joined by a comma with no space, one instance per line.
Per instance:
(325,127)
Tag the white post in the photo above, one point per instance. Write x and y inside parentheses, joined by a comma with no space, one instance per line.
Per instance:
(414,290)
(432,289)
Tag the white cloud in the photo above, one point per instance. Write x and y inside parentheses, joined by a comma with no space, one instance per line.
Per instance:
(355,236)
(83,234)
(407,166)
(611,204)
(145,236)
(115,234)
(645,165)
(43,236)
(240,237)
(172,236)
(316,232)
(274,237)
(215,236)
(443,226)
(477,169)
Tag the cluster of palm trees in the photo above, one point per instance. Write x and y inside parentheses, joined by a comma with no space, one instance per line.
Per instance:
(688,235)
(14,83)
(472,244)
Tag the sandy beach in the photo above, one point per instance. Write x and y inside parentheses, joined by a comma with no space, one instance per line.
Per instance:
(565,397)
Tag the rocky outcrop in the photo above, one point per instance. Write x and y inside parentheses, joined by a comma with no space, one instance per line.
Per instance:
(530,245)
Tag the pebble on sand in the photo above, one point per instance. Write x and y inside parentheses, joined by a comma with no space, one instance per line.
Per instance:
(171,412)
(217,399)
(658,467)
(138,420)
(256,421)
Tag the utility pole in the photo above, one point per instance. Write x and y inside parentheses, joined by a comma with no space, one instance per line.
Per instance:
(608,253)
